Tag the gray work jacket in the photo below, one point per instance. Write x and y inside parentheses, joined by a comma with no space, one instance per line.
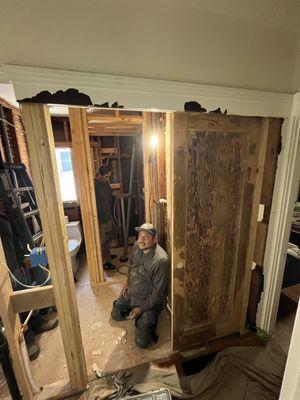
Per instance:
(148,277)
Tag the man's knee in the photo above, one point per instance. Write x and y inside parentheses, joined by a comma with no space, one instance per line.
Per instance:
(116,313)
(119,310)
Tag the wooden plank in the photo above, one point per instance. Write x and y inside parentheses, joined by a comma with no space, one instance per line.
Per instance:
(265,127)
(32,299)
(113,133)
(169,192)
(57,390)
(99,151)
(112,119)
(114,129)
(260,243)
(272,152)
(146,138)
(12,327)
(83,169)
(39,134)
(179,189)
(119,126)
(66,131)
(161,178)
(63,144)
(213,346)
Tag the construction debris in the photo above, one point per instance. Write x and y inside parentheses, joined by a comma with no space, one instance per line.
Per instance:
(97,370)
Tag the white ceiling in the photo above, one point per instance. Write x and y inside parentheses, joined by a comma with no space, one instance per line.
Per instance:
(238,43)
(279,14)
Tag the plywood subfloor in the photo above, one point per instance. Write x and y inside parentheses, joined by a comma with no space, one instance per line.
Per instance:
(102,337)
(103,342)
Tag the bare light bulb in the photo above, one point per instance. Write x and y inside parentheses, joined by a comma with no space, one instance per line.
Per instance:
(154,141)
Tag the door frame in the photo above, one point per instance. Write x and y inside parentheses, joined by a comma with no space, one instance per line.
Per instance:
(284,197)
(152,94)
(137,93)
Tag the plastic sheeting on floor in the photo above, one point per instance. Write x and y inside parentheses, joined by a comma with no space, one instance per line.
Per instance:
(237,373)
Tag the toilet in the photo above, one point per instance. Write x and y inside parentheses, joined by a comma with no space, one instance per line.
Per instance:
(74,233)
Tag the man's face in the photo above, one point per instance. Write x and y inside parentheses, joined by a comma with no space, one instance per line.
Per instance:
(105,178)
(145,240)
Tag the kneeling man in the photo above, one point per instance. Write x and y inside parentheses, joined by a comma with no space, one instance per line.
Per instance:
(144,295)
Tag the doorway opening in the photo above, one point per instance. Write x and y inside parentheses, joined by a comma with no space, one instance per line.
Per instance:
(133,145)
(290,288)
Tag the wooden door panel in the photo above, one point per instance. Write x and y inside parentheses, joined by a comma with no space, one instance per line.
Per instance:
(216,176)
(215,173)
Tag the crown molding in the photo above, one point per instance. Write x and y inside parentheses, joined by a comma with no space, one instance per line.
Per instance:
(148,94)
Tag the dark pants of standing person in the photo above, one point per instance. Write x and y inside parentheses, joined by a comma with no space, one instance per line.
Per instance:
(105,233)
(145,324)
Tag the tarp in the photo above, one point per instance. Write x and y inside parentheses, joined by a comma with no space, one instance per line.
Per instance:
(237,373)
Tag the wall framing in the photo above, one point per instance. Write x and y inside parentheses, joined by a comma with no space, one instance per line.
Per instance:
(84,177)
(38,127)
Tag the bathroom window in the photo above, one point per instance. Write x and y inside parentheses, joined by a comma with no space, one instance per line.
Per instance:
(65,174)
(66,162)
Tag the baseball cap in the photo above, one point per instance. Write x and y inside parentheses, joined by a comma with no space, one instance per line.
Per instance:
(146,227)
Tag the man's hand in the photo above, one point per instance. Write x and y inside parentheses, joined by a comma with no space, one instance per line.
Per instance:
(124,290)
(135,313)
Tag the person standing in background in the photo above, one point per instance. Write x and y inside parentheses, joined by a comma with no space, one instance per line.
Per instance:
(104,195)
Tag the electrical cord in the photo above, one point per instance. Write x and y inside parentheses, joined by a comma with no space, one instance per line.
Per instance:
(23,284)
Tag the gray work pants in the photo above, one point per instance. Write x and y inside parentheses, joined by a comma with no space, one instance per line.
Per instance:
(105,232)
(145,324)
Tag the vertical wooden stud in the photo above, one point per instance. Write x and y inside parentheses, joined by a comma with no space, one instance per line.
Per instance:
(12,328)
(39,135)
(83,168)
(146,137)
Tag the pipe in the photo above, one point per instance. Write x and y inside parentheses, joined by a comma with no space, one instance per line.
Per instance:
(129,202)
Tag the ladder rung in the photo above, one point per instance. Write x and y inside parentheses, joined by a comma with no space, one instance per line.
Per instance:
(37,236)
(22,189)
(15,167)
(31,213)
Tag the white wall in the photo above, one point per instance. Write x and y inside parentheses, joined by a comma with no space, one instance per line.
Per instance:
(182,40)
(296,83)
(8,93)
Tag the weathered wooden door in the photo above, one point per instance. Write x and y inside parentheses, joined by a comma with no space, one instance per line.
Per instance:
(215,181)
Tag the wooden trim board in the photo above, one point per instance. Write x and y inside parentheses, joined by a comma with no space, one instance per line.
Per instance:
(146,94)
(40,139)
(285,192)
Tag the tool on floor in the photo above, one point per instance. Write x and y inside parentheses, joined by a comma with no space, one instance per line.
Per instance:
(161,394)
